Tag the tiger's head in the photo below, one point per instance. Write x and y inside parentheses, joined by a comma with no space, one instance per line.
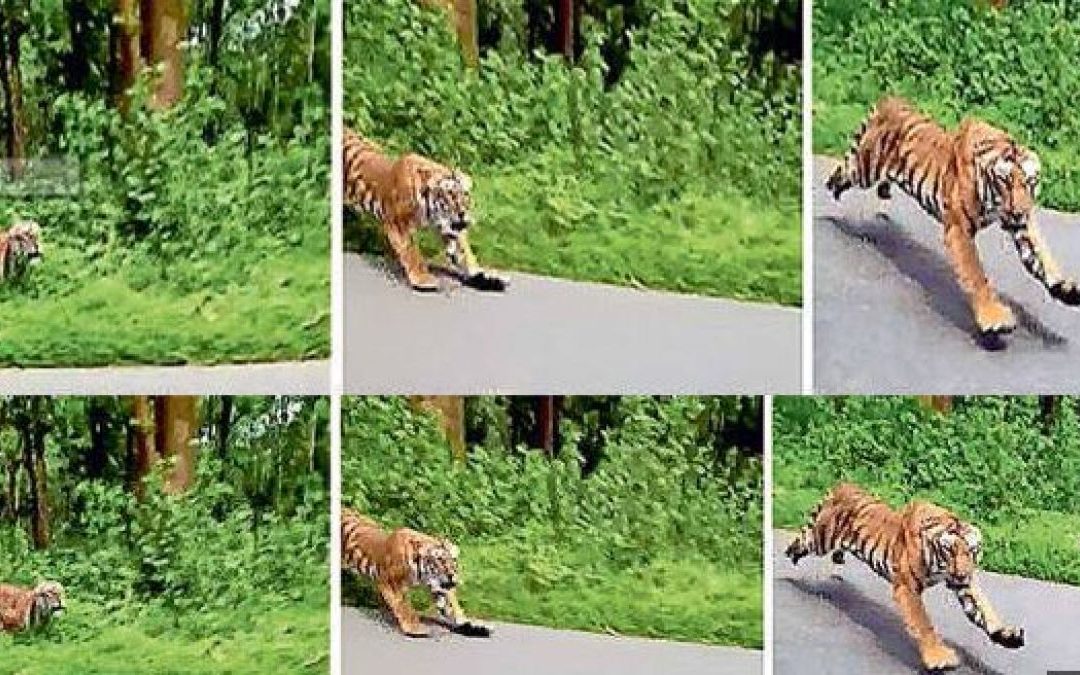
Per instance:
(48,602)
(1013,178)
(957,546)
(436,565)
(448,199)
(24,241)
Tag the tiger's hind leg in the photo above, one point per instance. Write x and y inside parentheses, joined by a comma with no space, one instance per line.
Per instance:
(412,261)
(992,316)
(933,652)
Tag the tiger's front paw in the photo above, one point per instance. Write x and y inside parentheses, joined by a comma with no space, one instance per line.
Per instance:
(1066,292)
(1009,637)
(470,629)
(796,552)
(939,658)
(995,318)
(482,281)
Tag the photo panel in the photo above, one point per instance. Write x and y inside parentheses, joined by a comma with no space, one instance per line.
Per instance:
(926,533)
(586,533)
(584,197)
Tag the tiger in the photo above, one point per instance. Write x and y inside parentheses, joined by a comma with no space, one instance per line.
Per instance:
(23,609)
(913,549)
(403,559)
(408,193)
(18,245)
(968,180)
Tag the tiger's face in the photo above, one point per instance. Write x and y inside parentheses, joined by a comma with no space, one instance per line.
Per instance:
(449,203)
(959,547)
(437,566)
(48,601)
(1015,186)
(24,238)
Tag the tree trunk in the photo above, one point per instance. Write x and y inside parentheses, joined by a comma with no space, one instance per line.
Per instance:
(564,28)
(451,413)
(1048,408)
(463,17)
(224,425)
(176,424)
(547,424)
(163,24)
(77,62)
(33,429)
(141,428)
(11,30)
(940,404)
(216,29)
(97,458)
(126,51)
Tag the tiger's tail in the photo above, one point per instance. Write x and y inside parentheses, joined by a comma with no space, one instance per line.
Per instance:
(847,174)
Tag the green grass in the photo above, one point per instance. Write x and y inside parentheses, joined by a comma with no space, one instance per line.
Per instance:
(670,597)
(272,305)
(708,243)
(279,640)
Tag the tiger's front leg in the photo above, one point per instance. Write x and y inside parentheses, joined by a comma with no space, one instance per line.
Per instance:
(412,261)
(398,604)
(453,616)
(935,655)
(980,612)
(1039,263)
(461,255)
(992,316)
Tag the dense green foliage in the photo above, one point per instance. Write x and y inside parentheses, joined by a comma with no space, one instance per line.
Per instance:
(228,577)
(1015,68)
(662,538)
(667,156)
(201,230)
(995,461)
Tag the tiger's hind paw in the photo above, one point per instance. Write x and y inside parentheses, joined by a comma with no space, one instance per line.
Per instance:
(470,629)
(940,659)
(482,281)
(1066,292)
(838,183)
(796,552)
(1009,637)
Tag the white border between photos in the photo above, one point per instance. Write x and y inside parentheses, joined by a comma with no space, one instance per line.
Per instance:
(807,201)
(337,324)
(767,538)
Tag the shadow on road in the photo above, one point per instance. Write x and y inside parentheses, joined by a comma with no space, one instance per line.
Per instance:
(881,620)
(932,271)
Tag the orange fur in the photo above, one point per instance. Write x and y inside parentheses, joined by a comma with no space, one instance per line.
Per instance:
(23,608)
(967,179)
(913,549)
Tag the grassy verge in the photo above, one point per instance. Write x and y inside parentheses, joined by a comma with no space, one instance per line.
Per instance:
(286,640)
(273,306)
(722,245)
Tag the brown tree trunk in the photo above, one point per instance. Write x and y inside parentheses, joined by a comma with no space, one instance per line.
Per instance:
(564,28)
(463,18)
(224,425)
(547,423)
(126,50)
(97,457)
(941,404)
(141,428)
(216,29)
(1048,407)
(11,30)
(176,423)
(163,24)
(451,413)
(33,429)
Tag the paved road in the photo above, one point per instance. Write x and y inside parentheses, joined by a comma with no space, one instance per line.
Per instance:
(370,645)
(889,316)
(833,626)
(309,377)
(548,336)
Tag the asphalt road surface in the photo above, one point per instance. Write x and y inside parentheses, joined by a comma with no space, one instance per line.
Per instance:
(370,645)
(889,316)
(548,336)
(309,377)
(825,625)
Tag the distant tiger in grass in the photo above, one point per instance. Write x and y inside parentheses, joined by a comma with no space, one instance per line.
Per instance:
(403,559)
(967,179)
(20,245)
(22,608)
(914,548)
(408,193)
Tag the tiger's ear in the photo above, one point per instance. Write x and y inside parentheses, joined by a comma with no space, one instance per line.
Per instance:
(452,549)
(463,178)
(1031,166)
